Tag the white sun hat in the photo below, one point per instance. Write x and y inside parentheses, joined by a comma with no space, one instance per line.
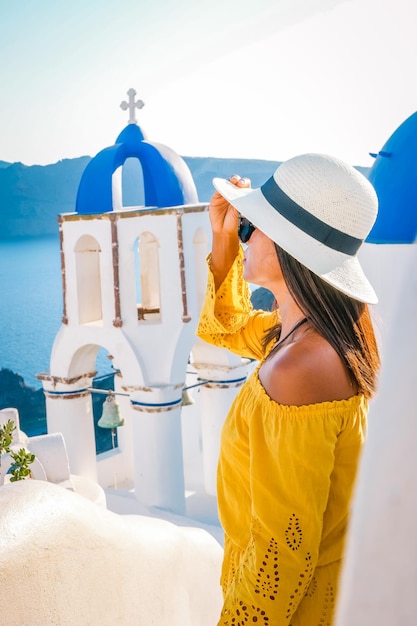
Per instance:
(319,209)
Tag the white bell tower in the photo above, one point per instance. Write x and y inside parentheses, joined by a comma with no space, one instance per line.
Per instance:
(133,283)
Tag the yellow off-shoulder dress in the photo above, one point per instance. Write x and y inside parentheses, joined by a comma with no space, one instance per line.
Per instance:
(285,480)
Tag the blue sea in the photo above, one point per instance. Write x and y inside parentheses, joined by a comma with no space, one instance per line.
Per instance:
(31,306)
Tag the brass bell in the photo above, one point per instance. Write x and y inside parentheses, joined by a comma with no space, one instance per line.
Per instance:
(187,398)
(110,417)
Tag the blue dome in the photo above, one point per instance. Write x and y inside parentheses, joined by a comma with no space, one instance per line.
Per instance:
(394,176)
(167,179)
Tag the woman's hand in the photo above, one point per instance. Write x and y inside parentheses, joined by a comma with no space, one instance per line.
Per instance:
(223,216)
(224,222)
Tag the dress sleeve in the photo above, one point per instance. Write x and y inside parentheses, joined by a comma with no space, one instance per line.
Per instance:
(227,317)
(292,459)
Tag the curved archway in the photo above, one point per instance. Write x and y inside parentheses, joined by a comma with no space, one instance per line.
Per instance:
(88,276)
(148,282)
(133,191)
(96,359)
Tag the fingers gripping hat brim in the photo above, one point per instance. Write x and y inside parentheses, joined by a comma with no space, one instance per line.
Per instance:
(327,251)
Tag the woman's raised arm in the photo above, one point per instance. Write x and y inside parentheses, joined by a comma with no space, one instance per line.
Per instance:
(224,223)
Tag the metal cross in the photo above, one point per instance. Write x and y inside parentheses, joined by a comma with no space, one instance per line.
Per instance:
(132,105)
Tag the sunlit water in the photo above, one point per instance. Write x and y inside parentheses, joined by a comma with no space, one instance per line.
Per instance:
(31,306)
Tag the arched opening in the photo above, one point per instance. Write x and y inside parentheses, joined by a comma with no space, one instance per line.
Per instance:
(106,438)
(133,193)
(148,290)
(95,358)
(200,243)
(88,275)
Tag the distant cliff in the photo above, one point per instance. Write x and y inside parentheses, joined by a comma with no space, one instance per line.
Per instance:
(31,197)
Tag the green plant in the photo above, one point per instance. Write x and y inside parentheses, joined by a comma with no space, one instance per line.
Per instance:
(6,437)
(21,458)
(19,468)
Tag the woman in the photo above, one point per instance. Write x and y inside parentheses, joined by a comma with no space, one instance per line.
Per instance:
(291,442)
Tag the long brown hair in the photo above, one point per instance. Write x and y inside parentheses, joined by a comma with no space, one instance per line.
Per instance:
(344,322)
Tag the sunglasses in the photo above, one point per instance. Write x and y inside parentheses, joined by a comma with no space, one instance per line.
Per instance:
(245,229)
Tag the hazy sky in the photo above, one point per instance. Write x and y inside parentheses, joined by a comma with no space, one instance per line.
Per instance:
(234,78)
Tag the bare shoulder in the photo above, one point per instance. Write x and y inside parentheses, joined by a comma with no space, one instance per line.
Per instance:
(308,371)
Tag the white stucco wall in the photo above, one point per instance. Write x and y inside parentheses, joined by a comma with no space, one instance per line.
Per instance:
(379,578)
(67,561)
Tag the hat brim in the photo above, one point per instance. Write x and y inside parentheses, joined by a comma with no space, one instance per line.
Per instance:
(340,270)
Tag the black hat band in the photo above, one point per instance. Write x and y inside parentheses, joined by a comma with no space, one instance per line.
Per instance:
(308,223)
